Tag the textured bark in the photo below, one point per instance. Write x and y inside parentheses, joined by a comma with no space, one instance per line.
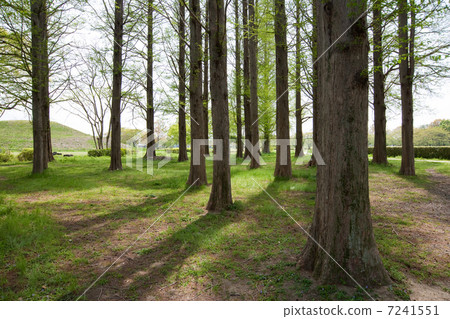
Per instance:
(298,92)
(253,77)
(40,85)
(239,144)
(220,197)
(182,147)
(206,84)
(151,152)
(379,151)
(116,159)
(247,119)
(406,86)
(315,89)
(283,162)
(342,223)
(197,173)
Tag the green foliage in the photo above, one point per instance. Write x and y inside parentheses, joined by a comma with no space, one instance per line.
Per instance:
(445,124)
(442,152)
(105,152)
(5,156)
(432,136)
(26,155)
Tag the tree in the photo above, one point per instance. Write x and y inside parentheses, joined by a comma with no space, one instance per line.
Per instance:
(182,154)
(116,159)
(342,224)
(246,77)
(197,172)
(238,77)
(298,89)
(151,151)
(220,197)
(283,162)
(406,55)
(205,83)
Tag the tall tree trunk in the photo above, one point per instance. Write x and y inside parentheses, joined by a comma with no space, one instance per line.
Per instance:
(315,89)
(253,63)
(116,159)
(40,84)
(266,146)
(151,152)
(406,84)
(239,151)
(182,147)
(342,224)
(379,152)
(220,197)
(247,119)
(298,92)
(205,84)
(283,162)
(197,172)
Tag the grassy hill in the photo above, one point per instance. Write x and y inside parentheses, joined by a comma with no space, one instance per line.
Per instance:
(17,135)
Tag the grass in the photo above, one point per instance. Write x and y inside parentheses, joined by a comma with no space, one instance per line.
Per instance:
(59,231)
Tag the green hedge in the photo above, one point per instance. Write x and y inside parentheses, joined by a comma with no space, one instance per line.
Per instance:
(105,152)
(26,155)
(441,152)
(6,156)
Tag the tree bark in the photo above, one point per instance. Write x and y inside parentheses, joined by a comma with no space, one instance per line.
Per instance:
(205,84)
(151,152)
(283,162)
(253,72)
(239,151)
(220,197)
(406,86)
(116,159)
(247,119)
(182,147)
(40,85)
(298,92)
(197,173)
(379,152)
(342,223)
(315,89)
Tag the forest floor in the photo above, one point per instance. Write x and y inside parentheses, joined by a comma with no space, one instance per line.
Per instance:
(61,231)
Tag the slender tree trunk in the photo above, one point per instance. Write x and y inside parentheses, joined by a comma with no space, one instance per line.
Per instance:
(379,152)
(239,152)
(406,84)
(283,162)
(315,89)
(247,119)
(151,152)
(252,51)
(266,146)
(49,134)
(197,173)
(182,151)
(221,186)
(205,84)
(298,92)
(116,159)
(342,223)
(40,84)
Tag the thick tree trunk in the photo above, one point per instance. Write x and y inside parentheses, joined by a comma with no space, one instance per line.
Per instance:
(406,84)
(197,173)
(266,146)
(298,92)
(283,162)
(342,224)
(247,119)
(40,85)
(239,151)
(220,197)
(253,64)
(315,89)
(182,147)
(151,152)
(206,84)
(379,152)
(116,159)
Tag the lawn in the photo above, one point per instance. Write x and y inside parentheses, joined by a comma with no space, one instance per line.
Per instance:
(59,232)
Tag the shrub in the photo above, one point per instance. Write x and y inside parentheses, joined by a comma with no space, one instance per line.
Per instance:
(441,152)
(105,152)
(26,155)
(5,156)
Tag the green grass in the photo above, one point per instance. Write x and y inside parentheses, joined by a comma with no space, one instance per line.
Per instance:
(60,230)
(17,135)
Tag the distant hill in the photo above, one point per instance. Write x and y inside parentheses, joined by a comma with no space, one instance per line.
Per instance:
(17,135)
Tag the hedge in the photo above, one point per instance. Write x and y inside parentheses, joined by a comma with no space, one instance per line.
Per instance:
(105,152)
(26,155)
(441,152)
(6,156)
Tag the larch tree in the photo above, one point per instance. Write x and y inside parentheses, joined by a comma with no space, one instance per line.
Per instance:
(298,88)
(283,166)
(197,172)
(238,77)
(246,77)
(150,116)
(116,159)
(342,224)
(206,82)
(182,147)
(220,197)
